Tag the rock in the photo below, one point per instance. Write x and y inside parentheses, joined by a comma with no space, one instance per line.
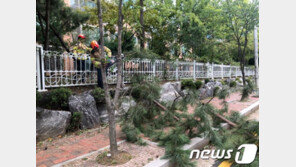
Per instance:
(51,123)
(202,92)
(126,104)
(168,91)
(85,103)
(210,86)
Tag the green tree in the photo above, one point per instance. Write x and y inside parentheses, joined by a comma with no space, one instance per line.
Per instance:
(53,20)
(241,16)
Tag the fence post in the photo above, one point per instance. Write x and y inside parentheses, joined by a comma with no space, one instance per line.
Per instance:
(177,69)
(230,71)
(194,77)
(154,68)
(222,70)
(212,66)
(40,70)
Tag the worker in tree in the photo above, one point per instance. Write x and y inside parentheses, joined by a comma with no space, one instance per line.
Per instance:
(81,51)
(98,60)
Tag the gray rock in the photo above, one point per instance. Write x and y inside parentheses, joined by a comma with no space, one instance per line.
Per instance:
(168,91)
(209,88)
(85,104)
(126,104)
(51,123)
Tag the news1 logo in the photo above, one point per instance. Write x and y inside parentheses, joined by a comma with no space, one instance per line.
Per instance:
(248,155)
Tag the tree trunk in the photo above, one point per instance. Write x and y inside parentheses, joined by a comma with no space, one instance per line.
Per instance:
(119,60)
(256,57)
(242,63)
(244,56)
(142,35)
(46,42)
(110,108)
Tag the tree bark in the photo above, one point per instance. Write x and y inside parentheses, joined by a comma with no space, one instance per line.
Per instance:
(243,57)
(256,57)
(119,60)
(46,42)
(242,62)
(142,34)
(110,107)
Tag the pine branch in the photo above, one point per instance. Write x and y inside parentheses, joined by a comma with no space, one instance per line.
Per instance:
(164,108)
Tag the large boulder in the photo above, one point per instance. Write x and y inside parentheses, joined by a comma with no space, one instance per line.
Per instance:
(125,105)
(85,104)
(169,91)
(209,88)
(51,123)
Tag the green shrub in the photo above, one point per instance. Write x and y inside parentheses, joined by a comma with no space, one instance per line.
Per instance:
(247,90)
(59,98)
(132,133)
(143,90)
(187,83)
(223,82)
(38,98)
(207,80)
(98,95)
(75,122)
(56,99)
(232,84)
(198,84)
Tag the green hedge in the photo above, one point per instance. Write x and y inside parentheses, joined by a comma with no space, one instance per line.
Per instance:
(56,99)
(191,84)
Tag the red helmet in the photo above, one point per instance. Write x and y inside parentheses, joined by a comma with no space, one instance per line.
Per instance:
(81,36)
(94,44)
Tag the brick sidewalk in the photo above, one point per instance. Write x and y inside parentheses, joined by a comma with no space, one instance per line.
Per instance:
(234,103)
(69,147)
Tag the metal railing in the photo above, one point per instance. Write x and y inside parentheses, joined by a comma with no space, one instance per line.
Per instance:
(54,69)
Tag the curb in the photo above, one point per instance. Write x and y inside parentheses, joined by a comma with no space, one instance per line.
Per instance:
(85,155)
(199,143)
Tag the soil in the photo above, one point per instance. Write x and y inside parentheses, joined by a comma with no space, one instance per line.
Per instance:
(120,158)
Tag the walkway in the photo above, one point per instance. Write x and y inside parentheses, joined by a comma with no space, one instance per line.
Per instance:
(54,151)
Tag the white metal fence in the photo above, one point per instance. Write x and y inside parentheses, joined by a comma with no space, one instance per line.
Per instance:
(54,69)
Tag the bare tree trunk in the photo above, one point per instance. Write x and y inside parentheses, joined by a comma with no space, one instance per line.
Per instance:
(142,35)
(119,60)
(256,57)
(46,42)
(110,106)
(242,63)
(243,57)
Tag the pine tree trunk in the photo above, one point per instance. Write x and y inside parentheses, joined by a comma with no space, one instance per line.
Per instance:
(46,42)
(119,60)
(110,107)
(242,63)
(142,35)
